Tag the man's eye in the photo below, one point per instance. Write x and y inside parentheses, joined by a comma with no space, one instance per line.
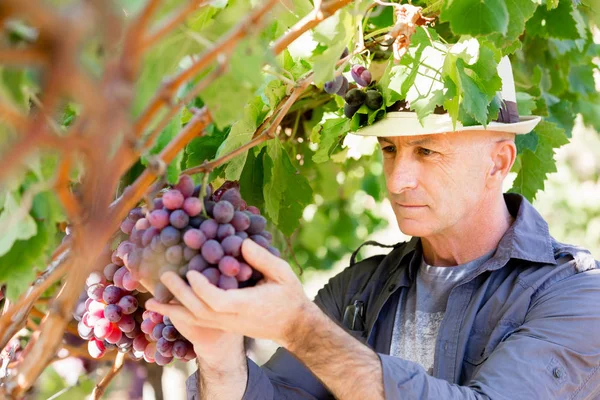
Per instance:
(425,152)
(389,149)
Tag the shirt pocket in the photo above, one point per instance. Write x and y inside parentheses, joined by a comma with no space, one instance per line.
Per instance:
(482,343)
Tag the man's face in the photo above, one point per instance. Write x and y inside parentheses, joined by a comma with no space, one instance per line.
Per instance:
(435,181)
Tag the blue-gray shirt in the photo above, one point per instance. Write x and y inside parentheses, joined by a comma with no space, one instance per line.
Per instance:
(523,325)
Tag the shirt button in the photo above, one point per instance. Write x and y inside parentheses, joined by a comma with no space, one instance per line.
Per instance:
(391,287)
(557,372)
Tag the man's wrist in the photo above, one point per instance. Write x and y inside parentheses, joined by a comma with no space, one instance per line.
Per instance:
(309,317)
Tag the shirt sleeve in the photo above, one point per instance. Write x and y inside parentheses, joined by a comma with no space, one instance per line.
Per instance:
(284,376)
(554,354)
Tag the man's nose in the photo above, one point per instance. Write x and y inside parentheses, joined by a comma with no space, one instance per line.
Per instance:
(403,175)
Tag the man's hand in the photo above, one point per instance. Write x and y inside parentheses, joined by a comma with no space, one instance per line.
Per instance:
(270,310)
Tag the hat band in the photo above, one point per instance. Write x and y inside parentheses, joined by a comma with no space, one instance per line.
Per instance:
(507,114)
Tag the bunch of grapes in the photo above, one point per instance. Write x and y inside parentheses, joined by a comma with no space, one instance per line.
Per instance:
(185,232)
(162,342)
(111,317)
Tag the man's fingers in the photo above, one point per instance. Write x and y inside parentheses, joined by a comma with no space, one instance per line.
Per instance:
(183,293)
(180,313)
(263,261)
(221,301)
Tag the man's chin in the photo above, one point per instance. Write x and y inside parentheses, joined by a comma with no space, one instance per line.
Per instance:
(413,227)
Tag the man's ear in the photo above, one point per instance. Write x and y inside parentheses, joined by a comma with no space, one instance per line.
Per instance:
(503,155)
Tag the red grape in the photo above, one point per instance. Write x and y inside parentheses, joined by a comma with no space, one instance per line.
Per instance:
(225,230)
(159,218)
(149,352)
(229,266)
(109,271)
(192,206)
(114,336)
(174,255)
(96,348)
(169,333)
(209,228)
(148,235)
(95,278)
(240,221)
(223,212)
(142,224)
(139,343)
(232,245)
(212,274)
(227,282)
(95,292)
(260,240)
(253,210)
(127,226)
(245,272)
(212,251)
(128,304)
(147,326)
(164,347)
(85,332)
(113,313)
(160,359)
(129,283)
(194,238)
(126,324)
(180,349)
(233,196)
(189,253)
(197,263)
(185,185)
(170,236)
(179,219)
(257,224)
(112,294)
(103,328)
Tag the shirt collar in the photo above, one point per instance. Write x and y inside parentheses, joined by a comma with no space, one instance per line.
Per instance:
(528,238)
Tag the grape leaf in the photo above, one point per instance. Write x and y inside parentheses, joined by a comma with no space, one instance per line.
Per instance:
(557,23)
(335,33)
(525,103)
(252,178)
(519,12)
(475,100)
(328,134)
(536,165)
(20,229)
(484,17)
(528,141)
(174,168)
(204,148)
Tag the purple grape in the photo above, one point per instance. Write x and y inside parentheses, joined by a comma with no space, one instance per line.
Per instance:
(196,221)
(245,272)
(223,212)
(118,277)
(167,321)
(161,360)
(135,237)
(189,253)
(162,293)
(109,271)
(207,192)
(157,246)
(344,89)
(95,291)
(179,219)
(147,326)
(129,282)
(197,263)
(361,75)
(266,235)
(127,226)
(242,235)
(140,342)
(124,248)
(257,224)
(180,349)
(209,228)
(112,294)
(233,196)
(148,235)
(170,236)
(229,266)
(128,304)
(334,85)
(157,204)
(126,324)
(224,231)
(173,199)
(212,251)
(227,282)
(170,333)
(260,240)
(157,331)
(194,238)
(209,206)
(232,245)
(159,218)
(212,274)
(274,251)
(240,221)
(142,224)
(253,210)
(185,185)
(135,214)
(133,260)
(113,313)
(192,206)
(174,254)
(164,347)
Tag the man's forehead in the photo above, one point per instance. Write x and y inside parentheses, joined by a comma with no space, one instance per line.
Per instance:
(419,140)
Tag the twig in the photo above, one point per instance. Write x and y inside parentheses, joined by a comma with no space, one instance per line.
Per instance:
(65,196)
(23,57)
(103,384)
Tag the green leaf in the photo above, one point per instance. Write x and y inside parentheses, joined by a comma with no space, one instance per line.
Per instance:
(174,168)
(581,78)
(334,33)
(329,133)
(20,229)
(557,23)
(204,148)
(475,100)
(525,103)
(536,165)
(475,17)
(519,12)
(252,178)
(528,141)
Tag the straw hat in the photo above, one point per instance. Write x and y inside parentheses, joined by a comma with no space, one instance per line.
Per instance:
(406,123)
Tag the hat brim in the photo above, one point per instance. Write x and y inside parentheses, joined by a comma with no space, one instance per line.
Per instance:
(403,123)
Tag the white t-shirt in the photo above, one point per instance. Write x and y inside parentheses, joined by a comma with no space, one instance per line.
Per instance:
(418,318)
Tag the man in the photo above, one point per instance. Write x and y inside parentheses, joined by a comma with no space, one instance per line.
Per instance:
(482,303)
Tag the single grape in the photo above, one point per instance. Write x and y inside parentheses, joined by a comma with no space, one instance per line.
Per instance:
(149,352)
(164,347)
(260,240)
(334,85)
(85,332)
(136,328)
(157,245)
(232,196)
(135,214)
(224,231)
(142,224)
(229,266)
(167,320)
(157,204)
(209,228)
(192,206)
(374,99)
(174,255)
(185,185)
(127,226)
(196,221)
(169,332)
(355,97)
(124,248)
(156,317)
(95,278)
(257,224)
(148,235)
(112,294)
(207,192)
(129,283)
(180,349)
(243,235)
(95,306)
(109,346)
(125,343)
(189,253)
(159,218)
(194,238)
(126,324)
(212,251)
(147,326)
(209,205)
(114,336)
(135,238)
(223,212)
(118,277)
(179,219)
(245,272)
(162,293)
(232,245)
(170,236)
(344,89)
(274,251)
(173,199)
(361,75)
(96,348)
(224,187)
(243,205)
(95,292)
(87,303)
(103,328)
(227,282)
(157,331)
(109,271)
(139,343)
(161,360)
(253,210)
(197,263)
(128,304)
(240,221)
(113,313)
(212,274)
(349,110)
(191,354)
(267,235)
